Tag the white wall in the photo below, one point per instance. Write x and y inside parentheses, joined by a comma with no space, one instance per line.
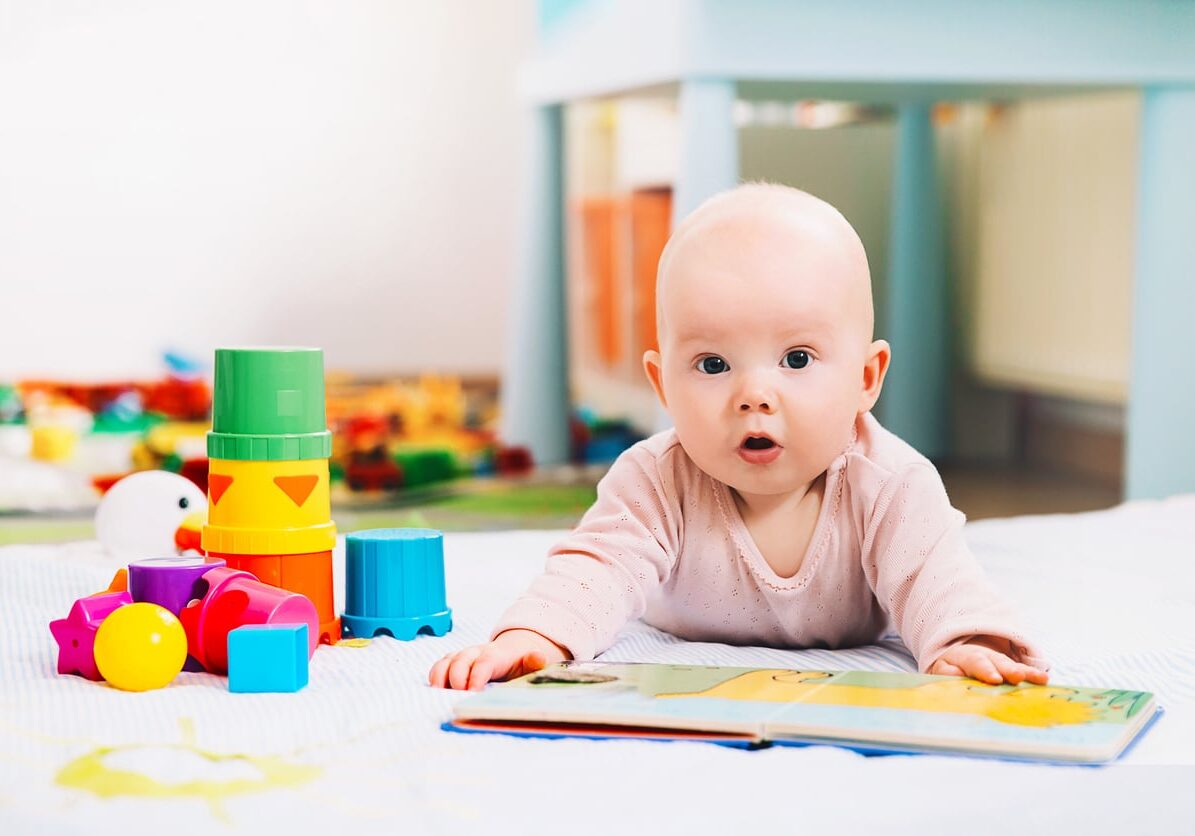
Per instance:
(342,174)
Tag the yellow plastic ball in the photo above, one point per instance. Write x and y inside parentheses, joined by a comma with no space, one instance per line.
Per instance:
(140,646)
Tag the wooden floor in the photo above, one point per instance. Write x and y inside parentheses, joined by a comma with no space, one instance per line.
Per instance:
(1006,491)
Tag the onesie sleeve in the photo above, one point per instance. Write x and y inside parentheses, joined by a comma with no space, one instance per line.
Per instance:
(603,573)
(925,577)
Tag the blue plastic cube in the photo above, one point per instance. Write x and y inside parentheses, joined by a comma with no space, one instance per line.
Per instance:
(267,658)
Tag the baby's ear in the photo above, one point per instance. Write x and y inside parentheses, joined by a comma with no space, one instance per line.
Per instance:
(651,365)
(879,354)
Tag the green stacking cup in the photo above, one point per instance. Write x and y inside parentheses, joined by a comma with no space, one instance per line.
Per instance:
(268,405)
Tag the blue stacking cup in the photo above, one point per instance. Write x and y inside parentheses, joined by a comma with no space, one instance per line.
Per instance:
(394,583)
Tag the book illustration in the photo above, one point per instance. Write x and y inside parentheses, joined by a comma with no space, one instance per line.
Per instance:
(569,676)
(1026,705)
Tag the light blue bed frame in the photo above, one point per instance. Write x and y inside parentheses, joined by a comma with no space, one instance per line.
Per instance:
(906,54)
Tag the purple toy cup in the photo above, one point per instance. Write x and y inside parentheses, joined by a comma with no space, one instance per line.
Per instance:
(170,582)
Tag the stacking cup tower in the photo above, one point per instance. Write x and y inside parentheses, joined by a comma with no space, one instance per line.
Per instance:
(269,511)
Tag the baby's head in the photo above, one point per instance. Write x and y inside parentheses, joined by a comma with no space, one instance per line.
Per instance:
(764,314)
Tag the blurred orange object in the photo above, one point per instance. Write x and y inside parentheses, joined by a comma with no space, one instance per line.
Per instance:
(119,583)
(103,481)
(602,247)
(188,535)
(651,223)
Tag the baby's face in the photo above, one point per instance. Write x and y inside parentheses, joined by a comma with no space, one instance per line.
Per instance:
(765,336)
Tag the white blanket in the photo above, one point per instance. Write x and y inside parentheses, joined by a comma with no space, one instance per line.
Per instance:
(359,750)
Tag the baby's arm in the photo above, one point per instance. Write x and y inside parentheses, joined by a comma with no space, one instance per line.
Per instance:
(596,580)
(934,590)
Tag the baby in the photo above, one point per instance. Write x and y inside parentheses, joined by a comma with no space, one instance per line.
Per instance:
(777,511)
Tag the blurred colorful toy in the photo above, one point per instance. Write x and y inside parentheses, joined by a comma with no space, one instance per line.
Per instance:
(12,411)
(426,465)
(141,514)
(268,482)
(176,441)
(140,646)
(597,440)
(16,441)
(179,398)
(76,633)
(513,461)
(125,410)
(267,658)
(53,442)
(234,599)
(394,583)
(405,434)
(196,470)
(372,470)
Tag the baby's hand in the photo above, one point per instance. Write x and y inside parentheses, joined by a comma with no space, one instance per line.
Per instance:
(508,656)
(985,664)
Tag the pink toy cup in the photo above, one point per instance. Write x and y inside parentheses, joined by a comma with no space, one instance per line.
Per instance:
(233,599)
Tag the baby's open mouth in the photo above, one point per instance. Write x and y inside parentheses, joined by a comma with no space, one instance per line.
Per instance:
(759,450)
(756,442)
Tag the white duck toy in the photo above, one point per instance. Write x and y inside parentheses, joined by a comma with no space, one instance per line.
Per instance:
(149,514)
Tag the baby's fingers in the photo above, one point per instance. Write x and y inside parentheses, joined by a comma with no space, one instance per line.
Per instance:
(1028,673)
(944,668)
(1036,675)
(1016,672)
(481,673)
(462,663)
(1012,672)
(979,665)
(438,675)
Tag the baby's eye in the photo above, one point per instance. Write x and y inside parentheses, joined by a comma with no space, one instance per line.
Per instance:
(712,365)
(797,359)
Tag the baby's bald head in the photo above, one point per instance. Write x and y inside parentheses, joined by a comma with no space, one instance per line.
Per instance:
(756,229)
(763,307)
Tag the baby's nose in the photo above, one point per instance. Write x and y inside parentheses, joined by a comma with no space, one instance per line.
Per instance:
(756,392)
(757,401)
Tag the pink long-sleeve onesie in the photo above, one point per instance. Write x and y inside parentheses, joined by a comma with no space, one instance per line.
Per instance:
(664,541)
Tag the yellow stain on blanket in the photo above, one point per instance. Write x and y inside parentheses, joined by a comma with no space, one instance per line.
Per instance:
(353,643)
(91,773)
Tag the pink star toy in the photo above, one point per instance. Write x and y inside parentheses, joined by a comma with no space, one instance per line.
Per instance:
(75,634)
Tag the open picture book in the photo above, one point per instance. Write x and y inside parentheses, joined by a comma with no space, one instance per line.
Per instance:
(864,710)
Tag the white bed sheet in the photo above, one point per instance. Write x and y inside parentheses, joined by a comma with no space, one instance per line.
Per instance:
(1109,595)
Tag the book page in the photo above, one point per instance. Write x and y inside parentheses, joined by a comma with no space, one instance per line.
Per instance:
(646,695)
(942,712)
